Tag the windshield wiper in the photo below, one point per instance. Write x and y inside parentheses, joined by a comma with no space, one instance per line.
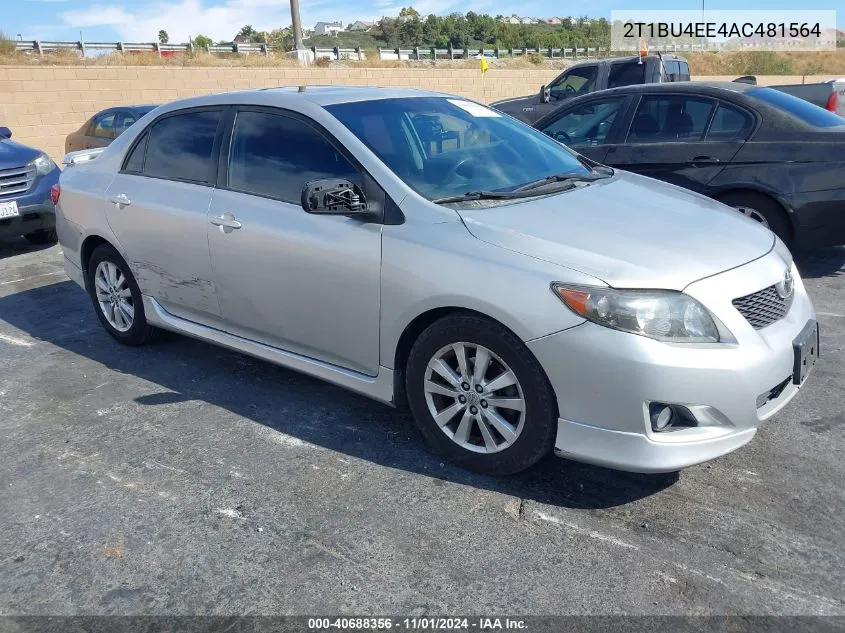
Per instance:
(477,195)
(567,179)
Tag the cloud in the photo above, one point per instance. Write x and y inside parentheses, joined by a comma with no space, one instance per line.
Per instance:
(51,1)
(182,18)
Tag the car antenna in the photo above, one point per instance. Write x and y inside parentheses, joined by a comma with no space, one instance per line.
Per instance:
(662,67)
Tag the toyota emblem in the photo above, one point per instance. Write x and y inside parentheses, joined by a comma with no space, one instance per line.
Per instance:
(787,286)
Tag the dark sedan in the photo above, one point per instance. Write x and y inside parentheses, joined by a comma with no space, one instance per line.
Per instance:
(105,126)
(772,156)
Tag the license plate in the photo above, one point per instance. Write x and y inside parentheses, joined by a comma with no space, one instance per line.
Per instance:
(9,210)
(806,350)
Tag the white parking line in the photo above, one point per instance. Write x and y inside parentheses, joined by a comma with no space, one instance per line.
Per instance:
(14,281)
(831,314)
(591,533)
(15,341)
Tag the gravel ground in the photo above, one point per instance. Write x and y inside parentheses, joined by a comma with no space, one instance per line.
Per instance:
(181,478)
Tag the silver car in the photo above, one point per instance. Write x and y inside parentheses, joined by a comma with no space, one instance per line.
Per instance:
(425,249)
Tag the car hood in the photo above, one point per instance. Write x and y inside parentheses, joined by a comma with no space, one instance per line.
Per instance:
(14,154)
(628,231)
(515,104)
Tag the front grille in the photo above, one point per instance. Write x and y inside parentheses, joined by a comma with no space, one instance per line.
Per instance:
(16,180)
(763,307)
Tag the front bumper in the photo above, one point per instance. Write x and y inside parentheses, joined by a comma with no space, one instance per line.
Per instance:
(36,209)
(605,379)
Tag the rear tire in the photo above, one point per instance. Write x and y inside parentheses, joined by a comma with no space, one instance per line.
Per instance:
(116,297)
(42,236)
(488,405)
(761,208)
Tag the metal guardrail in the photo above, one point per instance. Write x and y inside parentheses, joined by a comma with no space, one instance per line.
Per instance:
(41,47)
(336,53)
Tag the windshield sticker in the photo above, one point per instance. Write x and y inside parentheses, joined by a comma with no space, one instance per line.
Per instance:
(474,109)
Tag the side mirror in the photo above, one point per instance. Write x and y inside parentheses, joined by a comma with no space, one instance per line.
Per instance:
(545,94)
(5,132)
(330,196)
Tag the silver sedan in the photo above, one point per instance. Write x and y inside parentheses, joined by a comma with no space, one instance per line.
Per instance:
(425,250)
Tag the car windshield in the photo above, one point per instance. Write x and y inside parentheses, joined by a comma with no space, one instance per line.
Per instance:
(804,110)
(444,147)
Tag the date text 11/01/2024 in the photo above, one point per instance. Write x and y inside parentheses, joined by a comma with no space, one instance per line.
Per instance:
(635,30)
(416,624)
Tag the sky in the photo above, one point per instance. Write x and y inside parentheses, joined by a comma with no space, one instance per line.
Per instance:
(141,20)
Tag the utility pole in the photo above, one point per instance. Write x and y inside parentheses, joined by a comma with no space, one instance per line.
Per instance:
(296,25)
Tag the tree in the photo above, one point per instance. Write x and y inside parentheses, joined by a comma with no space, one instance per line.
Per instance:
(281,38)
(431,30)
(247,34)
(202,42)
(163,37)
(409,13)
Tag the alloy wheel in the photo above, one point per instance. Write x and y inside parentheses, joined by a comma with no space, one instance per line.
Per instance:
(474,397)
(114,296)
(754,214)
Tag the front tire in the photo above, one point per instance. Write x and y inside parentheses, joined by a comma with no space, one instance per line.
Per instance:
(479,396)
(116,297)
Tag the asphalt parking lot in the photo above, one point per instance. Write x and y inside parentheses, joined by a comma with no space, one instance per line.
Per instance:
(181,478)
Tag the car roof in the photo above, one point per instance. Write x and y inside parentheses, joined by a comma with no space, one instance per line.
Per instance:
(682,86)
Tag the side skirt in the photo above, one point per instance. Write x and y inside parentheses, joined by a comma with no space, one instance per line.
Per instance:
(379,387)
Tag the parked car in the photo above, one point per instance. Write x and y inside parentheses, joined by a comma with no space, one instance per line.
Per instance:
(27,176)
(586,77)
(105,126)
(413,246)
(772,156)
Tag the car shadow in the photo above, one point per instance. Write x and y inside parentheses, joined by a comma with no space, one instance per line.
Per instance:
(821,262)
(308,409)
(12,246)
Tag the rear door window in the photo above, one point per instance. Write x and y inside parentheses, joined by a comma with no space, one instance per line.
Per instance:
(729,124)
(626,74)
(104,126)
(180,147)
(670,119)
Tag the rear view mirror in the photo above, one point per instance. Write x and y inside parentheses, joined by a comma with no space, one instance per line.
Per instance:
(5,132)
(330,196)
(545,94)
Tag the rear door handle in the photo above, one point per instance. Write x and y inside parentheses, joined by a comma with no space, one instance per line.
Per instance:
(121,200)
(225,221)
(707,160)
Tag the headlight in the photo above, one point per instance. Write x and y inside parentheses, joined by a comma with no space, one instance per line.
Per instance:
(664,315)
(43,165)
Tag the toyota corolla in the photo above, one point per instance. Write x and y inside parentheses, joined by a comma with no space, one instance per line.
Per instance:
(425,249)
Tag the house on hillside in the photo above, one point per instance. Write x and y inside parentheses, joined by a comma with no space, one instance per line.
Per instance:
(359,25)
(553,20)
(528,21)
(511,20)
(328,28)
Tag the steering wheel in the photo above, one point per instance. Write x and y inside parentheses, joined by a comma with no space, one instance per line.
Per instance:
(562,137)
(568,89)
(457,167)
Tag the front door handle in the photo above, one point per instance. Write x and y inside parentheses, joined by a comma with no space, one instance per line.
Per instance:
(121,200)
(707,160)
(225,221)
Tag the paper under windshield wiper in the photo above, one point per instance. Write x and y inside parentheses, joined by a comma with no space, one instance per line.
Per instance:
(569,179)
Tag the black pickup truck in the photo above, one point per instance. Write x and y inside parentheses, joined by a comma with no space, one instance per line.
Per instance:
(594,75)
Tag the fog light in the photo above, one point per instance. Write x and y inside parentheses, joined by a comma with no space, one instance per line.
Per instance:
(661,416)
